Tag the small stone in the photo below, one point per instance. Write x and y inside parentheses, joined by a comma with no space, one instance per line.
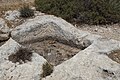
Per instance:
(2,22)
(96,30)
(49,54)
(12,15)
(4,37)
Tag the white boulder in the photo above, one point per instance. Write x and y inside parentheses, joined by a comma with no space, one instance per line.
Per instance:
(30,70)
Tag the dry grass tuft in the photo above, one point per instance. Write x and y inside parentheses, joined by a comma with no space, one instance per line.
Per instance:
(16,5)
(22,55)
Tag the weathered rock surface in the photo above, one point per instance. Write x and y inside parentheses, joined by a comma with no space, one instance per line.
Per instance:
(31,70)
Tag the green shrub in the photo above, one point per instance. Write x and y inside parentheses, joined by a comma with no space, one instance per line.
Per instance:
(47,69)
(26,12)
(82,11)
(63,8)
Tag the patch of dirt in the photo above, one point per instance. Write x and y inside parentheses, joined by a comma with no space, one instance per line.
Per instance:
(115,55)
(54,52)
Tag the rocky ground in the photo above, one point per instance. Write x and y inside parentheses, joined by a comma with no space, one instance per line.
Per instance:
(76,52)
(108,31)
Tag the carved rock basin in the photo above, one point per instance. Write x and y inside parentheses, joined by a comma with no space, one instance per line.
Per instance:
(48,35)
